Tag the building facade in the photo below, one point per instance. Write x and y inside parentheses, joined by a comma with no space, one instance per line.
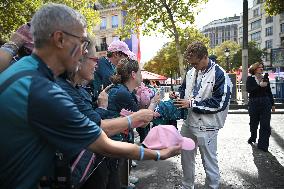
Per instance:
(267,31)
(222,30)
(112,18)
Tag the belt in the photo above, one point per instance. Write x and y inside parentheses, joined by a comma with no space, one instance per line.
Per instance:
(203,128)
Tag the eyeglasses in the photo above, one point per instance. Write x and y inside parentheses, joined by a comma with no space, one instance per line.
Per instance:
(94,59)
(84,41)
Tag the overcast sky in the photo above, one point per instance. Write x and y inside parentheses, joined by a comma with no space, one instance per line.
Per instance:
(213,10)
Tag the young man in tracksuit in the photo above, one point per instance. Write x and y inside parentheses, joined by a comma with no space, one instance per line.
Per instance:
(207,96)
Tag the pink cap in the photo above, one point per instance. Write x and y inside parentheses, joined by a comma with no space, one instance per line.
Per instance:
(117,46)
(163,136)
(25,33)
(132,56)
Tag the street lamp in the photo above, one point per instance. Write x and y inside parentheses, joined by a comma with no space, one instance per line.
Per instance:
(227,54)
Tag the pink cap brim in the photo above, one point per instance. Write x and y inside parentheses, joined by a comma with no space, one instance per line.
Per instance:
(187,144)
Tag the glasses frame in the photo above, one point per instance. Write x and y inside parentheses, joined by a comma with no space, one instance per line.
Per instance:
(84,41)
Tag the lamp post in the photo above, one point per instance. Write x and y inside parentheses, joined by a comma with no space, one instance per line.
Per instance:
(227,54)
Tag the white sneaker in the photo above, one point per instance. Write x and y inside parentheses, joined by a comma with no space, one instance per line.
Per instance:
(134,164)
(133,179)
(131,186)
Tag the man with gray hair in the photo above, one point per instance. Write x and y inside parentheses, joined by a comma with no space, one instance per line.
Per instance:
(38,117)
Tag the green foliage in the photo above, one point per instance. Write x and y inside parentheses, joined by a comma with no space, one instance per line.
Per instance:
(274,7)
(14,13)
(166,60)
(160,16)
(254,55)
(219,51)
(235,58)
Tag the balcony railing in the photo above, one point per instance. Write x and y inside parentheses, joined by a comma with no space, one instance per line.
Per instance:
(101,47)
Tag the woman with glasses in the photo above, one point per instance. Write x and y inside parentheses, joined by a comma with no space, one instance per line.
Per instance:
(260,105)
(73,83)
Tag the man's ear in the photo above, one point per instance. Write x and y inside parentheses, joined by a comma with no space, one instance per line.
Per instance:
(58,39)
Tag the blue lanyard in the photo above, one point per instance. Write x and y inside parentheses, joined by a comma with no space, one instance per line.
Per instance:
(197,86)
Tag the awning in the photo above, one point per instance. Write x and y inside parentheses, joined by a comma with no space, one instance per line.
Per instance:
(152,76)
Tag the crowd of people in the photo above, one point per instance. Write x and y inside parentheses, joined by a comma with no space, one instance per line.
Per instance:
(60,103)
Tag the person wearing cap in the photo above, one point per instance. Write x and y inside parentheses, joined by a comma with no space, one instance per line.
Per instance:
(207,97)
(20,45)
(121,96)
(260,105)
(73,83)
(116,51)
(38,117)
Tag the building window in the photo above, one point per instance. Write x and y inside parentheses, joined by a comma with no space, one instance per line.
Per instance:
(256,24)
(268,31)
(256,36)
(269,19)
(115,38)
(268,44)
(103,23)
(256,12)
(282,28)
(241,30)
(114,21)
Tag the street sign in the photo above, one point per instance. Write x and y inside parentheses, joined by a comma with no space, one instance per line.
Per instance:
(277,57)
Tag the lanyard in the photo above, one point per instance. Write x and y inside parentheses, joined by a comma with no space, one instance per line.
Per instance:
(197,85)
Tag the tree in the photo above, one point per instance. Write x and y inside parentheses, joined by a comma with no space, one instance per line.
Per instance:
(254,55)
(219,51)
(162,16)
(274,7)
(235,58)
(166,60)
(14,13)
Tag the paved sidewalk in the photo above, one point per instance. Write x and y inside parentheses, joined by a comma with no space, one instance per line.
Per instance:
(241,165)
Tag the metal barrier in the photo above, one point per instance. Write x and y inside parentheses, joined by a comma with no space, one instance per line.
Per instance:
(277,89)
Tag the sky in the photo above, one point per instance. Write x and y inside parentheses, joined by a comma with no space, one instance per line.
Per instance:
(212,10)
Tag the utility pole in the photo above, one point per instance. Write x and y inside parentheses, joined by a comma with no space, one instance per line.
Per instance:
(245,52)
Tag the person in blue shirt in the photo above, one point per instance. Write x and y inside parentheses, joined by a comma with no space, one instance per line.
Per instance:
(38,116)
(73,84)
(117,50)
(121,96)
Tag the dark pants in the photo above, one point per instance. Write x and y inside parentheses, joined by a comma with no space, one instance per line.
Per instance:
(260,113)
(143,132)
(106,176)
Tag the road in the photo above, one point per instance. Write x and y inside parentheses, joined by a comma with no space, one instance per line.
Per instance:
(241,165)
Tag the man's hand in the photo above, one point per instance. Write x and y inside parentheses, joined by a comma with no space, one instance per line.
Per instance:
(142,117)
(273,108)
(170,152)
(103,100)
(263,84)
(182,103)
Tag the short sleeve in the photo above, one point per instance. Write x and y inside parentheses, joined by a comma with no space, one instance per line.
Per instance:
(52,113)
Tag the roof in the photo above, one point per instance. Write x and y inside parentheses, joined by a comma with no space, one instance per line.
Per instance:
(152,76)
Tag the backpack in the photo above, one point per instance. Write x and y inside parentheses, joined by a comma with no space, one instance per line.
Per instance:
(67,175)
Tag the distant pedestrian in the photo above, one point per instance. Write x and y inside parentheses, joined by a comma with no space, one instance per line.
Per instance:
(260,104)
(207,97)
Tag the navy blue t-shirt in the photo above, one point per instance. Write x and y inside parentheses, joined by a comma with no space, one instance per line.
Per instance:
(120,97)
(102,75)
(81,98)
(37,117)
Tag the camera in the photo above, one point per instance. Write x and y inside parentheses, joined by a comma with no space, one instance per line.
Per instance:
(265,78)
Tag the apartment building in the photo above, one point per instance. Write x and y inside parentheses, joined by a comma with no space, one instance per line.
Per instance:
(112,17)
(267,31)
(222,30)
